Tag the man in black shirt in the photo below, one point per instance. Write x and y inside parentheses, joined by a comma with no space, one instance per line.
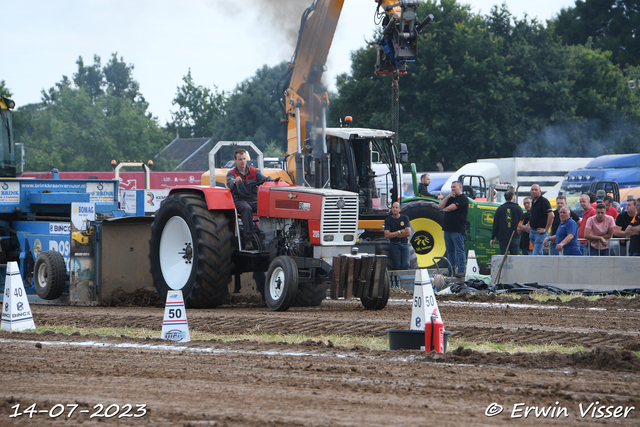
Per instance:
(423,187)
(523,228)
(397,229)
(455,207)
(540,220)
(624,220)
(505,224)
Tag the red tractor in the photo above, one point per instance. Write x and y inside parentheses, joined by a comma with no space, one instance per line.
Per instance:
(196,246)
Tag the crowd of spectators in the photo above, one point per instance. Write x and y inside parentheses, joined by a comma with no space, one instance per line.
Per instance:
(600,231)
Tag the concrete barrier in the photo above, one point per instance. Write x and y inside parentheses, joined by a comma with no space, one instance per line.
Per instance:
(569,272)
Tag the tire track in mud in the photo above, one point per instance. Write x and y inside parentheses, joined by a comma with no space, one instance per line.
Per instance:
(574,327)
(538,337)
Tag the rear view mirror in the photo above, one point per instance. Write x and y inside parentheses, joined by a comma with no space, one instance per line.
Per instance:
(403,154)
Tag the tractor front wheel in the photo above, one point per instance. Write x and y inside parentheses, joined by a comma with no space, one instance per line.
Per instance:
(282,283)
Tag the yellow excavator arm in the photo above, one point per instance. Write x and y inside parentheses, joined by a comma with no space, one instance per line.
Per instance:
(305,103)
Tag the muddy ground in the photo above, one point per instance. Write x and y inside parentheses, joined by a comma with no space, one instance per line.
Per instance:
(319,384)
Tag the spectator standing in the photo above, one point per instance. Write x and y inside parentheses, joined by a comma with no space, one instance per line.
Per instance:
(587,212)
(540,220)
(561,201)
(524,229)
(599,230)
(633,232)
(623,221)
(455,207)
(505,225)
(567,233)
(608,202)
(397,229)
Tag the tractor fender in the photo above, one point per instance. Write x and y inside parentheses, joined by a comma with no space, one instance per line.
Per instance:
(216,198)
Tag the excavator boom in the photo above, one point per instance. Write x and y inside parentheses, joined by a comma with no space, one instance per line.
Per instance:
(305,102)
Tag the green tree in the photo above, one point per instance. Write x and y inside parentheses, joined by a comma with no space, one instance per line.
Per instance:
(611,24)
(4,89)
(274,149)
(605,114)
(119,82)
(198,107)
(84,124)
(457,101)
(90,77)
(252,112)
(492,86)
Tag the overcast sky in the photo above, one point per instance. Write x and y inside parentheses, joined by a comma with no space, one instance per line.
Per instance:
(223,42)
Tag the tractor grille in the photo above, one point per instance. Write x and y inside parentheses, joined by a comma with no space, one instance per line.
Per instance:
(340,214)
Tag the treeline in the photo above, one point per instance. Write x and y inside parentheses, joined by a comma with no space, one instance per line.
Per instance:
(483,86)
(495,86)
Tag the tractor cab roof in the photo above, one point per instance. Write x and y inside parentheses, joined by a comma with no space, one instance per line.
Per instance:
(352,133)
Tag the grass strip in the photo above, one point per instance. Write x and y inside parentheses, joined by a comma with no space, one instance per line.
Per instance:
(543,296)
(347,341)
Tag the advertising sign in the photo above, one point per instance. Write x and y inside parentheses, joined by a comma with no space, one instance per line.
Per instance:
(82,248)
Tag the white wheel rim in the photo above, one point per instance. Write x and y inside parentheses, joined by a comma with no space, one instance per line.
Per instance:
(42,275)
(276,283)
(176,253)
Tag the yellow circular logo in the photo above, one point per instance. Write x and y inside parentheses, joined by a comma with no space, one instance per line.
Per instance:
(37,247)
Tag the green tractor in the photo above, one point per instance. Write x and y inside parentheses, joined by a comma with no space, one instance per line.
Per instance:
(428,238)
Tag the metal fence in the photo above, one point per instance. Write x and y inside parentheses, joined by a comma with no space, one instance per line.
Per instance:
(618,246)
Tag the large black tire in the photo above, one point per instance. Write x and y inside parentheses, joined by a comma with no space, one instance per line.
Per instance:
(191,249)
(260,278)
(49,275)
(282,284)
(378,303)
(311,294)
(428,237)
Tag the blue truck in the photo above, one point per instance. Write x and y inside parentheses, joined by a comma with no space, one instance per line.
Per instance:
(616,174)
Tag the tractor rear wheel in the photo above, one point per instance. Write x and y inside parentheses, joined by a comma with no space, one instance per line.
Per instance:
(49,275)
(191,250)
(282,283)
(428,238)
(311,294)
